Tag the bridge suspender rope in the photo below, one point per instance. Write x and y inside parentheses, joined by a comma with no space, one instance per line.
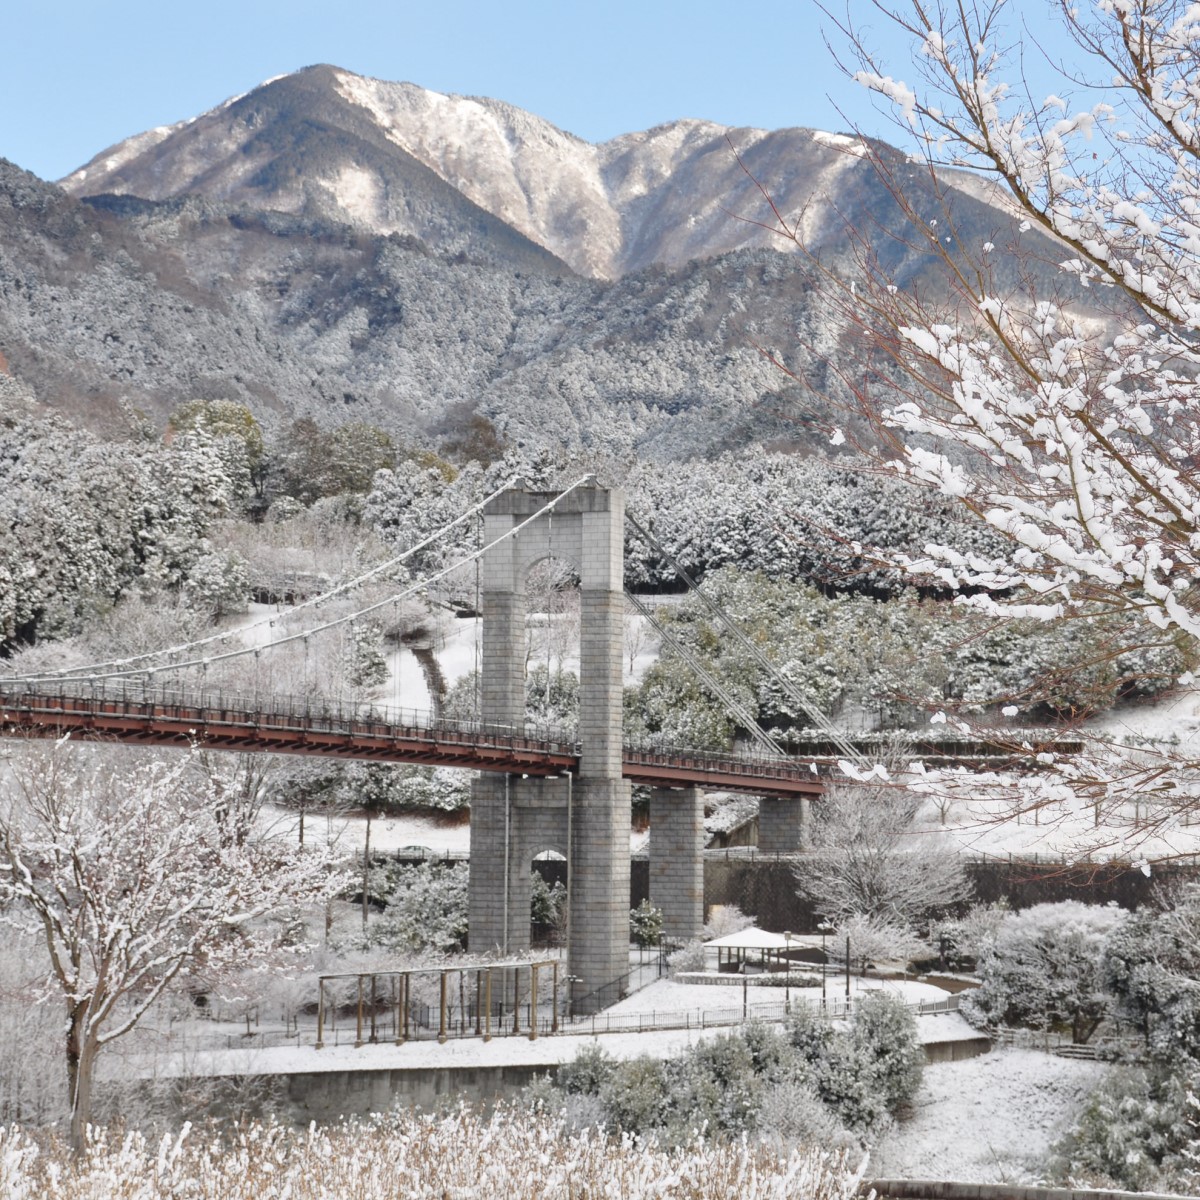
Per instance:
(315,602)
(818,718)
(148,671)
(735,707)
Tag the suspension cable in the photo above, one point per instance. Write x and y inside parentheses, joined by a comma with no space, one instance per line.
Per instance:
(339,621)
(735,706)
(814,714)
(225,635)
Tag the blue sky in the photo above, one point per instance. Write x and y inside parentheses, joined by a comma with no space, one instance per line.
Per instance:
(79,76)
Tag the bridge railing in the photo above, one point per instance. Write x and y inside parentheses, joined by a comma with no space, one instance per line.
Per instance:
(314,711)
(275,710)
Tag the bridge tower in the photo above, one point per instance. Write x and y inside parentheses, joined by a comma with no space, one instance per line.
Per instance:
(587,819)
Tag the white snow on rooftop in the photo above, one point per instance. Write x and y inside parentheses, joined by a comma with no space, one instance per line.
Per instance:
(751,938)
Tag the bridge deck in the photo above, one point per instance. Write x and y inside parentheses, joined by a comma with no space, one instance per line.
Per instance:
(362,731)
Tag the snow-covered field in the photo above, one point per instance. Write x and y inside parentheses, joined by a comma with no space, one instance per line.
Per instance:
(987,1120)
(668,996)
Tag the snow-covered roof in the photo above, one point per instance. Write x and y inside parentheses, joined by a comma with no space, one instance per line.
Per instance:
(751,938)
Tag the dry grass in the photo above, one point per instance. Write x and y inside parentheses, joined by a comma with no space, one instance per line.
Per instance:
(450,1156)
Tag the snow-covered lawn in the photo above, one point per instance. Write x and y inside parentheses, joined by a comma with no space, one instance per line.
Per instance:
(349,831)
(987,1120)
(666,995)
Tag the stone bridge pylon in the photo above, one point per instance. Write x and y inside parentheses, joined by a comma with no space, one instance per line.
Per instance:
(586,818)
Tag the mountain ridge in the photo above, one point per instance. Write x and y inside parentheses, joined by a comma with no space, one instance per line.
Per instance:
(660,196)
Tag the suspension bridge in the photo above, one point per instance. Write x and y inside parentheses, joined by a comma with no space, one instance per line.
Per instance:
(536,789)
(163,716)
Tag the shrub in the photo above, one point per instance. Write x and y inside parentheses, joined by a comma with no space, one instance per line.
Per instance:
(427,911)
(587,1074)
(646,924)
(887,1031)
(635,1096)
(1139,1132)
(689,957)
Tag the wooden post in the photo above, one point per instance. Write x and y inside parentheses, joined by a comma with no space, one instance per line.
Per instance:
(533,1001)
(374,1032)
(358,1037)
(516,973)
(442,1012)
(320,1013)
(407,992)
(478,1003)
(487,1005)
(554,1014)
(397,1005)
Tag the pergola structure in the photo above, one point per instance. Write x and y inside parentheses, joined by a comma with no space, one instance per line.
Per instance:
(385,1009)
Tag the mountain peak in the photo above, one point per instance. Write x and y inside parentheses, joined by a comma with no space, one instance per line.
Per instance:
(394,157)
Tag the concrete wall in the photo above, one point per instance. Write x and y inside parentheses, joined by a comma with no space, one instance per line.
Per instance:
(942,1052)
(328,1095)
(940,1189)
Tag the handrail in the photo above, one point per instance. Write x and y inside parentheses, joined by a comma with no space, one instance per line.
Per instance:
(271,713)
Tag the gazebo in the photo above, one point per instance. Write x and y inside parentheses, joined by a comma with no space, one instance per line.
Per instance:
(735,950)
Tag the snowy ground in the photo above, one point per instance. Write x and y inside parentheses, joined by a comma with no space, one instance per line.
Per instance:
(987,1120)
(668,996)
(407,831)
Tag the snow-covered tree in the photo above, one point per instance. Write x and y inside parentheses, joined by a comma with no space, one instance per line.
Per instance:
(1045,966)
(427,910)
(1052,389)
(868,861)
(1152,967)
(129,870)
(645,924)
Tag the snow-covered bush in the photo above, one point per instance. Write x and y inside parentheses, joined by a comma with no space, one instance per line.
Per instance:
(645,924)
(886,1029)
(841,1068)
(427,909)
(1139,1132)
(589,1071)
(1045,966)
(754,1079)
(689,957)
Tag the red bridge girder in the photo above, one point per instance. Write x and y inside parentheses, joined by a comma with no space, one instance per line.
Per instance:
(360,732)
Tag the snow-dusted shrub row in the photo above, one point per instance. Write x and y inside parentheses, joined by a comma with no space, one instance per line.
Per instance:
(452,1155)
(810,1082)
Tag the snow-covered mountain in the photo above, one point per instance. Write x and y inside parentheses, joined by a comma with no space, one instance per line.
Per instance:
(398,158)
(339,248)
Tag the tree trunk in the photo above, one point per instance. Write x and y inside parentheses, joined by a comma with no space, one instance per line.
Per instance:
(81,1061)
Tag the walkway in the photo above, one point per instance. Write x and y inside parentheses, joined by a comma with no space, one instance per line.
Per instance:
(131,714)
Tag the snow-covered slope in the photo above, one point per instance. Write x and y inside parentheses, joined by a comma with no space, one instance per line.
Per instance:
(385,156)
